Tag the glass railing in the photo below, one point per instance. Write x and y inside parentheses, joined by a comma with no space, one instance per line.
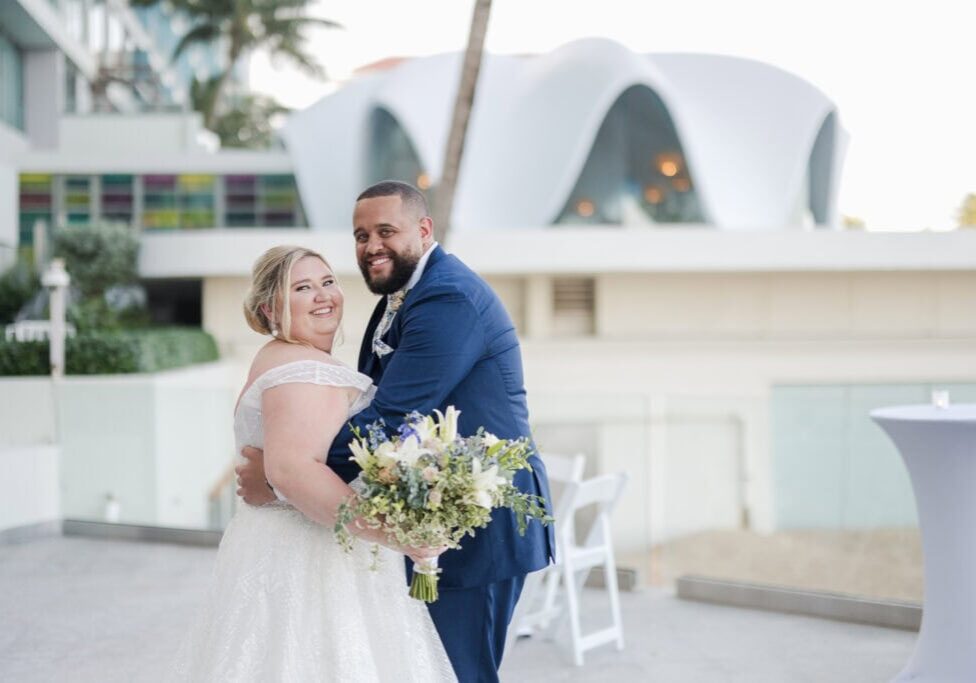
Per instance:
(802,491)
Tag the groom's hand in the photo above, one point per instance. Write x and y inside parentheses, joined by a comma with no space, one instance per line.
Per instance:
(252,485)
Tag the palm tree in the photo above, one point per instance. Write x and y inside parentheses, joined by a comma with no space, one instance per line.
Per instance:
(444,198)
(242,26)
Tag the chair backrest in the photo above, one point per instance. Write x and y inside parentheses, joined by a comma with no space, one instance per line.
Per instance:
(602,491)
(564,472)
(564,469)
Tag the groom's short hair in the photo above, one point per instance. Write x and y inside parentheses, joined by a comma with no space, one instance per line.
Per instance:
(407,193)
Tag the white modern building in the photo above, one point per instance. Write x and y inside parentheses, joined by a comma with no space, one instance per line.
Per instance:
(591,133)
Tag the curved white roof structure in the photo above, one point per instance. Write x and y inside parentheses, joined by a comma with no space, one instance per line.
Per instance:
(762,147)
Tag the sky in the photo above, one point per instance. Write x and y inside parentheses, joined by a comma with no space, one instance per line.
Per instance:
(902,74)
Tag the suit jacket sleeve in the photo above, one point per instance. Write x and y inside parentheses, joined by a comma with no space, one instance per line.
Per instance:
(441,339)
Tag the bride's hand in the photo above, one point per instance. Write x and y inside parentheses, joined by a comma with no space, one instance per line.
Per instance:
(422,553)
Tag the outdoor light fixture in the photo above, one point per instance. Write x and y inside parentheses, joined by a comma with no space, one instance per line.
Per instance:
(56,279)
(653,194)
(668,164)
(423,181)
(585,208)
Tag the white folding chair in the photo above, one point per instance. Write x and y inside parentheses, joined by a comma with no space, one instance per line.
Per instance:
(573,563)
(562,471)
(577,560)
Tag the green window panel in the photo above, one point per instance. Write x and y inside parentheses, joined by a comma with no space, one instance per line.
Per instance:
(118,198)
(160,202)
(163,219)
(240,198)
(278,201)
(196,199)
(77,199)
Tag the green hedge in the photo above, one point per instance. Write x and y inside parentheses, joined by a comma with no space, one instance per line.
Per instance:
(106,353)
(17,285)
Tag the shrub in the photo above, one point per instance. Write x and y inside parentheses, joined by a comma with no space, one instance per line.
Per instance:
(17,284)
(98,257)
(24,358)
(113,352)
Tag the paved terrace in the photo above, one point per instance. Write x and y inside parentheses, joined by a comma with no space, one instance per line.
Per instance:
(84,610)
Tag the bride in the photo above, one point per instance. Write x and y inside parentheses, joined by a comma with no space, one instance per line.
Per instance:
(286,602)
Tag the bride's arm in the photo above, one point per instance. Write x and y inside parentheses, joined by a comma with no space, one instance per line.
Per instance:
(300,422)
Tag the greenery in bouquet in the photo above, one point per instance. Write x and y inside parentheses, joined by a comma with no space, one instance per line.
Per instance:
(427,486)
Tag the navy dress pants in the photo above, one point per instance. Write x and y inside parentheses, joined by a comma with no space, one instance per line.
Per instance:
(472,623)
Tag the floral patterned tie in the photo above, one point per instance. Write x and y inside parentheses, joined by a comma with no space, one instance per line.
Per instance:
(393,303)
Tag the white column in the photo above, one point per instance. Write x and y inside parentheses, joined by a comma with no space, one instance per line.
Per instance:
(56,279)
(538,306)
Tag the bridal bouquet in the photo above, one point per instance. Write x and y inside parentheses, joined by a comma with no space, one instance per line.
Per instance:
(428,486)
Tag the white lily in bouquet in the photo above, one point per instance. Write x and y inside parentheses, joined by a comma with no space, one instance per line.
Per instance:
(429,487)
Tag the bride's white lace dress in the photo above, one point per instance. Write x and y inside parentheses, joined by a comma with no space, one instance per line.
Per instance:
(288,604)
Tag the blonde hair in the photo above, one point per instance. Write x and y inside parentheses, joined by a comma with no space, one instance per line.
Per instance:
(270,287)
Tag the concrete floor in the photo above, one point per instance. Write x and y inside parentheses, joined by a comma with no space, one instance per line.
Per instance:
(84,610)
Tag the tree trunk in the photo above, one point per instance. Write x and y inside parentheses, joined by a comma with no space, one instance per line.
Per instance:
(210,110)
(444,198)
(233,54)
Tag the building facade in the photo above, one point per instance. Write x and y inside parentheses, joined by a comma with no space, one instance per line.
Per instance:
(62,61)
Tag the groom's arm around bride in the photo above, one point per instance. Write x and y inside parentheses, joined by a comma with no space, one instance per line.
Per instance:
(447,340)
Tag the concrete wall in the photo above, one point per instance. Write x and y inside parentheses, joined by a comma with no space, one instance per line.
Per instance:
(30,456)
(812,306)
(680,383)
(134,134)
(156,442)
(31,495)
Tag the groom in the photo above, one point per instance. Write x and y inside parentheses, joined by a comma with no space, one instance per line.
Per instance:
(440,336)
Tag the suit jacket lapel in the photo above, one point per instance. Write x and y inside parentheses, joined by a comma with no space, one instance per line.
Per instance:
(367,359)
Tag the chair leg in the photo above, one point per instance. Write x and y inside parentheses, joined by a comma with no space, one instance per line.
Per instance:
(572,604)
(549,599)
(610,569)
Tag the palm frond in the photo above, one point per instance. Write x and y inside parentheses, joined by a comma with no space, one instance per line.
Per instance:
(295,52)
(297,23)
(201,34)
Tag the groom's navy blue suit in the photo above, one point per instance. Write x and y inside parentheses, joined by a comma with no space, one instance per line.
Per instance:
(454,344)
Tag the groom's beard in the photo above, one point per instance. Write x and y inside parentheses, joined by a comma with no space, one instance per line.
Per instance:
(402,270)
